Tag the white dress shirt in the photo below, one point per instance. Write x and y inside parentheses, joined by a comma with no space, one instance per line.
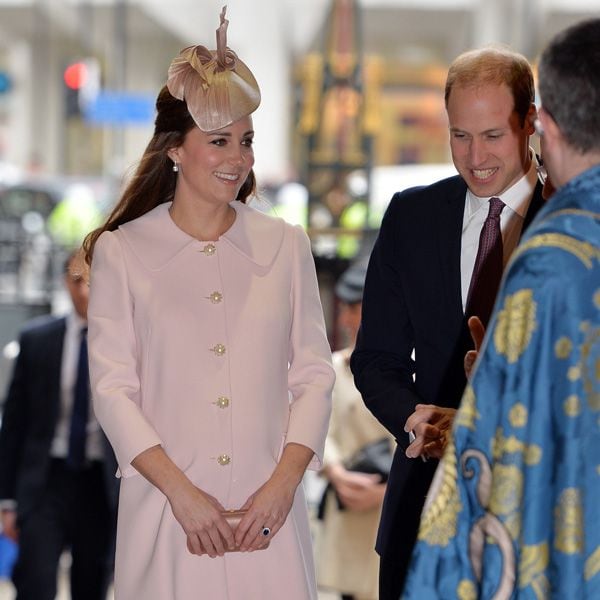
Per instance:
(517,199)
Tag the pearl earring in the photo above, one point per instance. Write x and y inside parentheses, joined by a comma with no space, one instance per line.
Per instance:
(175,167)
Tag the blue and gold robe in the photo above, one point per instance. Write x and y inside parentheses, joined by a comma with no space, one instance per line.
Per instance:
(514,508)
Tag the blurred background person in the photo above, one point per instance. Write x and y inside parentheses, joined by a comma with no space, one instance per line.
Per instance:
(57,471)
(351,505)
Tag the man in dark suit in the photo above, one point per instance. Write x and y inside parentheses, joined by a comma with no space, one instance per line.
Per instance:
(419,292)
(57,472)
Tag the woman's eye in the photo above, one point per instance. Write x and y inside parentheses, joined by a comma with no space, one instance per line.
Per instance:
(248,142)
(219,142)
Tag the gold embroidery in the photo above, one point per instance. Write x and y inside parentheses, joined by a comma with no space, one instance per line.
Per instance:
(533,455)
(438,522)
(592,565)
(574,373)
(515,324)
(590,366)
(501,445)
(584,251)
(518,415)
(597,298)
(568,522)
(571,406)
(467,413)
(563,347)
(466,590)
(507,489)
(532,569)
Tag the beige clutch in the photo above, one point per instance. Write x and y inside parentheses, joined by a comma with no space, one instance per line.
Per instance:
(233,517)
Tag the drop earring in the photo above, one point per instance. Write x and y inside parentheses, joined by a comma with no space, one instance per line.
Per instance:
(175,167)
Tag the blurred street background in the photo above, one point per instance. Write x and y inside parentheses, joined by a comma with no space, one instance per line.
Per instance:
(352,111)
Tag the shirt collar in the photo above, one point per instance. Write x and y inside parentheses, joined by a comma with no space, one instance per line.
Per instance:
(517,197)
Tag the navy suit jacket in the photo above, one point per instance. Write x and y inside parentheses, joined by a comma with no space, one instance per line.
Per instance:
(412,300)
(30,414)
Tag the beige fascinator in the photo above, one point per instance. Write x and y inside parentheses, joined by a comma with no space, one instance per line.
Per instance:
(216,85)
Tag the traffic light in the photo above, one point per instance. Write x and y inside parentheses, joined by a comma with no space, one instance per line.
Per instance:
(81,84)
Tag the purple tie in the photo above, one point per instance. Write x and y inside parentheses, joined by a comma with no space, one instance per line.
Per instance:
(487,271)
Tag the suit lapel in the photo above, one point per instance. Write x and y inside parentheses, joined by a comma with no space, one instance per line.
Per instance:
(54,349)
(534,206)
(449,234)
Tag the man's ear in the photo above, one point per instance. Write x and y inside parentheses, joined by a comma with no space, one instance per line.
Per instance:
(530,118)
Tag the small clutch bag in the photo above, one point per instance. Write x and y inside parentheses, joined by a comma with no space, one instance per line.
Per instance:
(233,517)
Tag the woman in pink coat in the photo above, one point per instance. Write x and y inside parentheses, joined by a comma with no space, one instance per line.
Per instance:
(210,367)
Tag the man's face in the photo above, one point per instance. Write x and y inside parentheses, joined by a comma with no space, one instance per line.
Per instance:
(490,148)
(78,287)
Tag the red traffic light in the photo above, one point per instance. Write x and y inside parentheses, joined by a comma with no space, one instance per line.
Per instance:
(76,75)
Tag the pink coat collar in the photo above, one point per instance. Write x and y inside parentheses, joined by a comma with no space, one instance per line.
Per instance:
(156,240)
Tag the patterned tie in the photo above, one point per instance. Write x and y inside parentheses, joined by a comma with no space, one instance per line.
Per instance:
(79,415)
(487,271)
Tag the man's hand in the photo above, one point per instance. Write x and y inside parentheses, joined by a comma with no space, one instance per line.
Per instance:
(356,491)
(477,334)
(8,519)
(431,426)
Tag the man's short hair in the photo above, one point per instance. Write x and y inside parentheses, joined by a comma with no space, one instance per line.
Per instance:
(569,84)
(494,65)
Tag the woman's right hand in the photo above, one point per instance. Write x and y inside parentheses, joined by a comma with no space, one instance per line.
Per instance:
(199,514)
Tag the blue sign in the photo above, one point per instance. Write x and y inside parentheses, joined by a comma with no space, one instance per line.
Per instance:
(120,108)
(5,82)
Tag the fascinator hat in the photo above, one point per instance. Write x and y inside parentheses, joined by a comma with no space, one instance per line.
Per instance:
(216,85)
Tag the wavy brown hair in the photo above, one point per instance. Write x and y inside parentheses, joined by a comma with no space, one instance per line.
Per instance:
(153,182)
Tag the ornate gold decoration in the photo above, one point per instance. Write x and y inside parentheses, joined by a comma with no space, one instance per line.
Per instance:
(533,455)
(572,406)
(574,373)
(518,415)
(501,445)
(584,251)
(563,348)
(515,324)
(568,522)
(312,77)
(597,298)
(507,492)
(532,569)
(467,413)
(590,366)
(438,522)
(466,590)
(592,565)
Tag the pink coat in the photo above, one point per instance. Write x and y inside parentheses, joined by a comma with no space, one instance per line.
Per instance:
(217,351)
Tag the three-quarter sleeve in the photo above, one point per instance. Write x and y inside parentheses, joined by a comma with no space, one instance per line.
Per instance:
(311,376)
(113,355)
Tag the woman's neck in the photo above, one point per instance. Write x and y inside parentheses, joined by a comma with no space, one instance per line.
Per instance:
(206,226)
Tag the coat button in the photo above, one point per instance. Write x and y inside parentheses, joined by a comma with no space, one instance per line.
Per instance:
(216,297)
(223,460)
(219,349)
(209,249)
(222,402)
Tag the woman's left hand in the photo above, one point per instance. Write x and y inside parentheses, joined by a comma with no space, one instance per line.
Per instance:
(268,509)
(270,505)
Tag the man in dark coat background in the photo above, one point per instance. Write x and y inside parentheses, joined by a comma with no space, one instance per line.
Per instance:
(58,487)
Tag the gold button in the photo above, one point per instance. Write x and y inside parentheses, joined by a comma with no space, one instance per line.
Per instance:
(224,460)
(222,402)
(209,249)
(216,297)
(219,349)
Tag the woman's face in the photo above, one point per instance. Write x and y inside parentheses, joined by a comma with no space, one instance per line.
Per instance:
(213,166)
